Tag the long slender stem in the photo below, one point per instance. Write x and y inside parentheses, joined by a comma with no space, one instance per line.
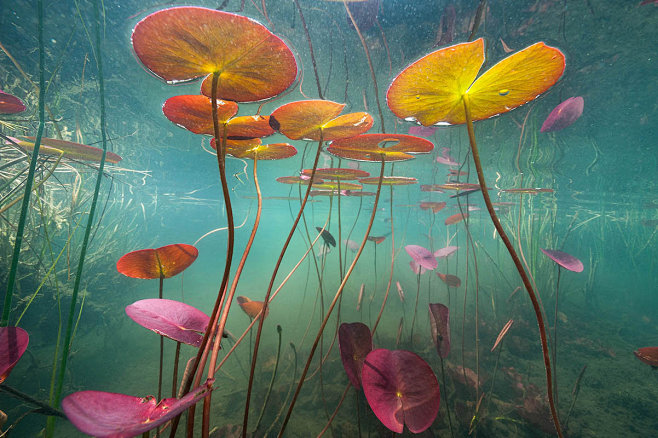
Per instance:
(333,303)
(269,388)
(557,291)
(517,264)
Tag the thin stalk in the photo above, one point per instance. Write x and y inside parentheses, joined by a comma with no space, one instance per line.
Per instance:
(557,291)
(175,373)
(269,388)
(161,342)
(517,263)
(333,303)
(443,378)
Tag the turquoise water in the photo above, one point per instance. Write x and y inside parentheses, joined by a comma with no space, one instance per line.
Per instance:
(603,208)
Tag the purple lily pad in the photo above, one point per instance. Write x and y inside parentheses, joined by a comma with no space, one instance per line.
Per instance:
(13,343)
(445,252)
(173,319)
(440,322)
(416,268)
(422,256)
(567,261)
(107,414)
(401,389)
(355,342)
(10,104)
(564,114)
(422,131)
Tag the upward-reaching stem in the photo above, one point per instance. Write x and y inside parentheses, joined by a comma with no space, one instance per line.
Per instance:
(517,264)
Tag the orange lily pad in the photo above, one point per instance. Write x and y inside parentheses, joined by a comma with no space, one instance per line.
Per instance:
(194,112)
(337,173)
(185,43)
(390,180)
(74,151)
(274,151)
(378,147)
(250,307)
(432,89)
(315,119)
(297,180)
(164,262)
(434,206)
(458,186)
(527,191)
(333,185)
(455,218)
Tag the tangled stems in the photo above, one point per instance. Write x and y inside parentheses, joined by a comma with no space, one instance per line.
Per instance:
(517,264)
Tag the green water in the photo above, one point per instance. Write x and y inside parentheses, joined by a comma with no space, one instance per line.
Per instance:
(602,170)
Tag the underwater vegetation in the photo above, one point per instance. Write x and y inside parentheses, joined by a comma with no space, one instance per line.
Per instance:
(387,137)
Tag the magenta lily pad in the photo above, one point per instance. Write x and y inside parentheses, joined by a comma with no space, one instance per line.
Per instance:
(440,322)
(401,389)
(422,256)
(107,414)
(10,104)
(445,252)
(564,114)
(13,343)
(355,341)
(173,319)
(567,261)
(416,268)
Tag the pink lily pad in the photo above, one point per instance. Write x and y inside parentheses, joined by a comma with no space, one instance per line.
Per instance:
(417,269)
(355,341)
(422,131)
(401,389)
(13,343)
(422,256)
(564,114)
(10,104)
(175,320)
(440,322)
(445,252)
(107,414)
(567,261)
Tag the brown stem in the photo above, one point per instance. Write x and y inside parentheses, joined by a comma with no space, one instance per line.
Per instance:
(333,303)
(310,46)
(175,374)
(517,264)
(271,285)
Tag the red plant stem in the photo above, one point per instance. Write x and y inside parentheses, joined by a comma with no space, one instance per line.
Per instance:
(557,291)
(161,342)
(517,263)
(271,285)
(229,299)
(333,303)
(175,373)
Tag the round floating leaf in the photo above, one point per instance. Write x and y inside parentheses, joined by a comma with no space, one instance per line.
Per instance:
(431,89)
(334,185)
(455,218)
(10,104)
(378,147)
(173,319)
(567,261)
(244,127)
(194,112)
(74,151)
(440,322)
(376,239)
(251,308)
(315,119)
(185,43)
(564,114)
(337,173)
(422,256)
(13,343)
(401,389)
(274,151)
(296,180)
(390,181)
(648,355)
(434,206)
(107,414)
(527,191)
(355,342)
(165,261)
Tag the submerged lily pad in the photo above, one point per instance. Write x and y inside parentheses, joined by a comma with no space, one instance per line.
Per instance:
(13,343)
(166,261)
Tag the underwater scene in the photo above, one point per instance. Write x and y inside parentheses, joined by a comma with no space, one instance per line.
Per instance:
(341,218)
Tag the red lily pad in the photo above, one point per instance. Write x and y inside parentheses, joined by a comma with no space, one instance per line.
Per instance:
(564,114)
(648,355)
(254,149)
(250,307)
(13,343)
(337,173)
(164,262)
(401,389)
(74,151)
(107,414)
(185,43)
(567,261)
(450,280)
(378,147)
(434,206)
(455,218)
(422,256)
(10,104)
(355,342)
(315,119)
(173,319)
(440,322)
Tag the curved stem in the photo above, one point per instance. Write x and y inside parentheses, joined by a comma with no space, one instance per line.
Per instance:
(269,388)
(271,285)
(333,303)
(517,264)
